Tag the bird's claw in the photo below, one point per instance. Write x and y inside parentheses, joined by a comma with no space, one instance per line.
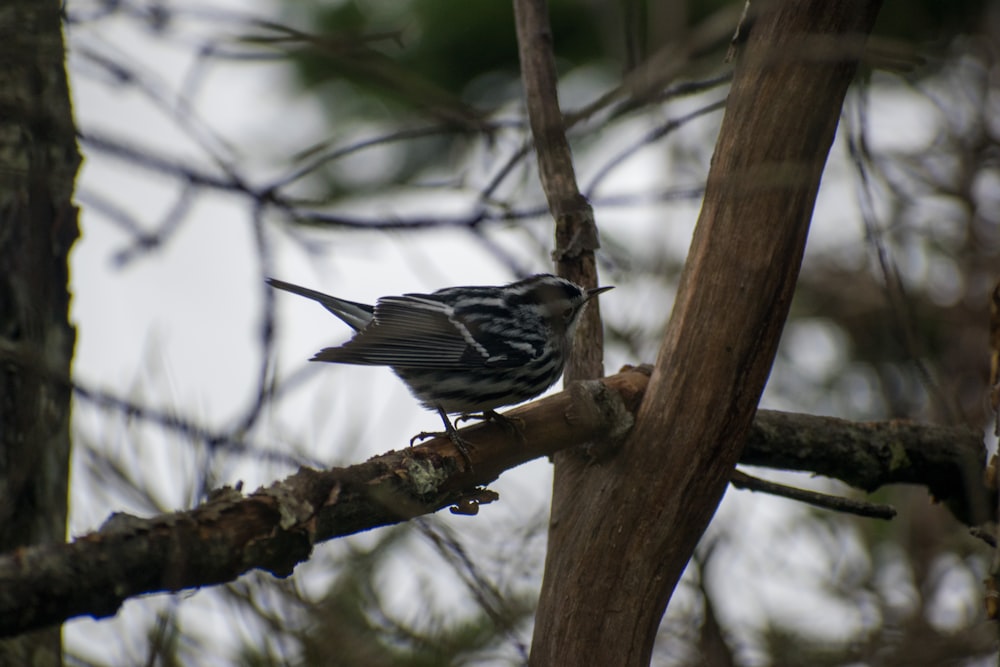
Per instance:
(460,444)
(462,447)
(424,435)
(513,425)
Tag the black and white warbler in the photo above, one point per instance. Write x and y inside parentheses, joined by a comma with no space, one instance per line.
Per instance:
(463,350)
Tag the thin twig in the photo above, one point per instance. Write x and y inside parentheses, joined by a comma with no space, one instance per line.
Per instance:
(741,480)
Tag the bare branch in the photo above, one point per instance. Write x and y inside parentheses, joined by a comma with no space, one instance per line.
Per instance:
(576,231)
(276,527)
(741,480)
(948,460)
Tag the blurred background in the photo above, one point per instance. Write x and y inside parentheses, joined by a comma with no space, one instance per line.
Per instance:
(375,148)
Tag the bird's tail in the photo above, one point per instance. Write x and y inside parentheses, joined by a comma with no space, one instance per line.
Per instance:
(355,315)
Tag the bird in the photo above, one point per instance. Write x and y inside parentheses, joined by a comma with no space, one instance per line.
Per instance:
(463,350)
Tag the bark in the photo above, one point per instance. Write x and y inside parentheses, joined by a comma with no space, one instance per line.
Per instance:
(621,533)
(273,529)
(38,224)
(576,231)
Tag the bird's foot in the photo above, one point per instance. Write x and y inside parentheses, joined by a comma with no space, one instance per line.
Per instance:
(461,444)
(424,435)
(513,425)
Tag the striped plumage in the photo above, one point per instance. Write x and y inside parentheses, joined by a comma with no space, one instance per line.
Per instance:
(464,349)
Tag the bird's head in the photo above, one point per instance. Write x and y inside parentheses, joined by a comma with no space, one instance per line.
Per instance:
(560,301)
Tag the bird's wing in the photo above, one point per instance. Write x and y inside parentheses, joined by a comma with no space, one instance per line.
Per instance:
(419,331)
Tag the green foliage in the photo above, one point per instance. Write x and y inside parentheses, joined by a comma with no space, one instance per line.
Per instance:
(441,46)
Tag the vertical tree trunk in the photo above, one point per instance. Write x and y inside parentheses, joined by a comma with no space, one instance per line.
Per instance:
(38,224)
(621,532)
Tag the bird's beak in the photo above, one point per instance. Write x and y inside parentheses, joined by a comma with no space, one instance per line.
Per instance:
(591,293)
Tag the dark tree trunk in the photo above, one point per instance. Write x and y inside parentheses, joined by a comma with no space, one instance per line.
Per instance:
(38,225)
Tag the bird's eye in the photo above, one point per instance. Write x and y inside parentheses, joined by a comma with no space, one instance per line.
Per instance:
(568,313)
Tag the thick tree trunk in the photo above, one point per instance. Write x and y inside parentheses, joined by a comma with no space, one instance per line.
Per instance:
(38,224)
(622,532)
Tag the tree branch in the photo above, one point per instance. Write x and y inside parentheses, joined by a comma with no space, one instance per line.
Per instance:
(948,460)
(616,555)
(741,480)
(275,528)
